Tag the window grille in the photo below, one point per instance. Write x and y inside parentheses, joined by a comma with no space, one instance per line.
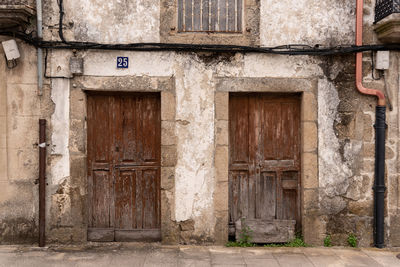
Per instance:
(210,16)
(384,8)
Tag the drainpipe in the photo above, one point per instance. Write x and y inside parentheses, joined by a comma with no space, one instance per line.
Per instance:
(42,182)
(380,127)
(39,50)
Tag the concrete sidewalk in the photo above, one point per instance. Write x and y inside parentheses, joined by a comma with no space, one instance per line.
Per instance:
(139,254)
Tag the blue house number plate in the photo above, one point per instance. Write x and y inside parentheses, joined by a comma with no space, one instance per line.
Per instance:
(122,62)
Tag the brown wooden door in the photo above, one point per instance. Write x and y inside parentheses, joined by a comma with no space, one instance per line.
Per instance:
(264,158)
(124,166)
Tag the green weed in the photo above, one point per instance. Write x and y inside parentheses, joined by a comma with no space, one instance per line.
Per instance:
(295,243)
(328,241)
(352,240)
(244,237)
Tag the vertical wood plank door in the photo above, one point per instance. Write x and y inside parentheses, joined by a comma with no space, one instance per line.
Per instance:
(264,158)
(124,140)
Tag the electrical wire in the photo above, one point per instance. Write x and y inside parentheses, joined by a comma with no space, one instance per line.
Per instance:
(290,49)
(373,67)
(60,24)
(281,50)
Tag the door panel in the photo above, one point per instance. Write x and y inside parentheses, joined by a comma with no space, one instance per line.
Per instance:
(264,138)
(266,195)
(124,142)
(101,204)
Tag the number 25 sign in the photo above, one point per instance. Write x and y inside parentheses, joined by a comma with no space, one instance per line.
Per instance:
(122,62)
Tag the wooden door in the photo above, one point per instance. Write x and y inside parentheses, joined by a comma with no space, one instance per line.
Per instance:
(124,166)
(264,158)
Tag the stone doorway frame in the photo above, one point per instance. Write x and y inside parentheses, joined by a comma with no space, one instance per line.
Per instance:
(78,139)
(309,147)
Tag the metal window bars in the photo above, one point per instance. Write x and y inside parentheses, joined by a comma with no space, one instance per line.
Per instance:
(210,16)
(384,8)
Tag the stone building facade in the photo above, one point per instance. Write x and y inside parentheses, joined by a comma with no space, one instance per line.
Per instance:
(336,122)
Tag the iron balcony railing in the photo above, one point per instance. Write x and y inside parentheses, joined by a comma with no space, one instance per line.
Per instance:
(384,8)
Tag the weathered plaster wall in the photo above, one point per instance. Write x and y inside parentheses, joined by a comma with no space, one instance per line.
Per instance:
(307,22)
(340,201)
(101,21)
(19,113)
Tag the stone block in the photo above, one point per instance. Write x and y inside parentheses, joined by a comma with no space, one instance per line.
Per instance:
(23,132)
(221,163)
(7,192)
(23,164)
(314,229)
(221,132)
(310,170)
(361,208)
(167,106)
(167,178)
(394,236)
(22,100)
(169,229)
(389,153)
(388,29)
(364,230)
(310,137)
(221,227)
(310,108)
(77,104)
(77,140)
(3,164)
(187,225)
(368,165)
(78,170)
(310,199)
(3,132)
(267,231)
(168,156)
(168,136)
(222,105)
(221,196)
(368,150)
(3,94)
(24,73)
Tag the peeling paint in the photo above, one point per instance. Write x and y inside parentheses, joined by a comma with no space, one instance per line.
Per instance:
(60,125)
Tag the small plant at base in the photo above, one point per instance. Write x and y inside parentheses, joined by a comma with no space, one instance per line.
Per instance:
(295,243)
(244,237)
(328,241)
(352,240)
(245,233)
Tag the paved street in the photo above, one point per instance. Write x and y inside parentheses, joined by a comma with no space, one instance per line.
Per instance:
(138,254)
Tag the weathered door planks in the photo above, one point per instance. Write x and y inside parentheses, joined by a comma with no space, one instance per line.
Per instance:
(124,140)
(264,157)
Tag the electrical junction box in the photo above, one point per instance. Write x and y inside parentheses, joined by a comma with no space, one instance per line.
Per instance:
(11,49)
(76,65)
(382,60)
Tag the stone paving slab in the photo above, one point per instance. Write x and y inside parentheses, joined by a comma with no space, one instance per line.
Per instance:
(142,254)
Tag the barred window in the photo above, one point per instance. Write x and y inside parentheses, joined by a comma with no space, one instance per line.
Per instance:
(210,16)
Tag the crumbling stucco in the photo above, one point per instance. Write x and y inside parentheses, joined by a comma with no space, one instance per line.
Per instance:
(60,130)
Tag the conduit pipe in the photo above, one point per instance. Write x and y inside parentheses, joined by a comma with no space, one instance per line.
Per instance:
(380,127)
(42,182)
(39,18)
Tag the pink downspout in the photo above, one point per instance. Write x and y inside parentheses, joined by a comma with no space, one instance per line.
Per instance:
(359,29)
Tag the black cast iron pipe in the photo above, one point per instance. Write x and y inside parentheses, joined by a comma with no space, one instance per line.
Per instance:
(379,183)
(42,182)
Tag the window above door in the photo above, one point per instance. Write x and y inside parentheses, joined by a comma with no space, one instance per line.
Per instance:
(223,16)
(233,22)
